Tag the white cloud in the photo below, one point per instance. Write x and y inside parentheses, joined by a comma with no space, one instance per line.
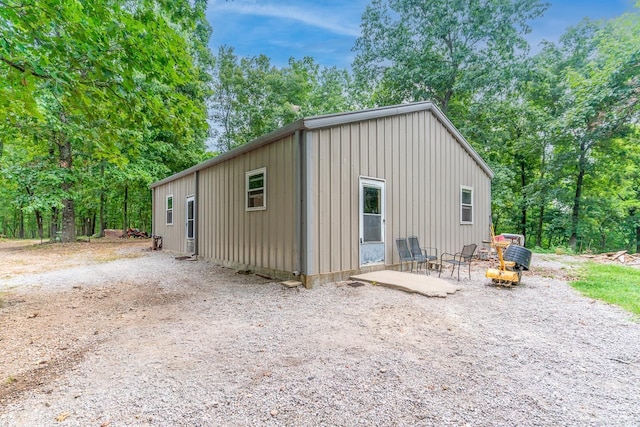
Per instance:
(319,18)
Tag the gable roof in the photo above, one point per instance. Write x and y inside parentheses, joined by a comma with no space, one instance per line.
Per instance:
(336,119)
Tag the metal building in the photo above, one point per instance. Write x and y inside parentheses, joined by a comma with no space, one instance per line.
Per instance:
(326,196)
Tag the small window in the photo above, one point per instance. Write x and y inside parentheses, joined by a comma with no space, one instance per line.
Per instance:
(466,205)
(169,210)
(372,213)
(257,189)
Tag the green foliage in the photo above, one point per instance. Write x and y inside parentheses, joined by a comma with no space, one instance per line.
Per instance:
(559,250)
(562,137)
(441,50)
(109,85)
(556,128)
(252,97)
(99,99)
(595,106)
(613,284)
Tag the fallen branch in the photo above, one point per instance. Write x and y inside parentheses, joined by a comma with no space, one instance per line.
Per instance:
(618,255)
(626,362)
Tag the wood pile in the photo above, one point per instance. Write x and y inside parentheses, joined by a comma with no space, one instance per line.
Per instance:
(620,257)
(134,232)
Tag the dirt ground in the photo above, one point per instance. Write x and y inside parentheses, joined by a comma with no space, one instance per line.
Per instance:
(31,256)
(40,335)
(111,333)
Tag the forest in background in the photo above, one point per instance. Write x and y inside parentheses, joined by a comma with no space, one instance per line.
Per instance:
(99,100)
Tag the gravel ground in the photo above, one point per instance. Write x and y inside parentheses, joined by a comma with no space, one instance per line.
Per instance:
(157,341)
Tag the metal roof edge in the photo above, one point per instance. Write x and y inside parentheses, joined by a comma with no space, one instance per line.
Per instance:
(329,120)
(361,115)
(375,113)
(272,136)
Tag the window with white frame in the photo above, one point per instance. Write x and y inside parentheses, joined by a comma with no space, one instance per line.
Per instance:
(169,210)
(466,205)
(256,189)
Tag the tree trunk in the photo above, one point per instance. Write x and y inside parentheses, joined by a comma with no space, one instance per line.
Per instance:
(539,228)
(125,215)
(103,202)
(68,234)
(542,198)
(21,224)
(10,231)
(39,223)
(635,231)
(54,224)
(523,212)
(68,210)
(575,212)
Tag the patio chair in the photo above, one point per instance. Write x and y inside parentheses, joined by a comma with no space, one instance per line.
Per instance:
(459,259)
(422,255)
(404,252)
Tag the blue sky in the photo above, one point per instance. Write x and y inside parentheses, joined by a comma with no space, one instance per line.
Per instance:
(326,30)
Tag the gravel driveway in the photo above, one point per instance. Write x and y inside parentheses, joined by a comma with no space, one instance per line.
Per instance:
(157,341)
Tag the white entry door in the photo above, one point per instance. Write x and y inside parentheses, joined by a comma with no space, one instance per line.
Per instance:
(371,221)
(191,223)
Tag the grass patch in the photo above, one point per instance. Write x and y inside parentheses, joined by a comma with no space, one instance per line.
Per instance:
(614,284)
(557,250)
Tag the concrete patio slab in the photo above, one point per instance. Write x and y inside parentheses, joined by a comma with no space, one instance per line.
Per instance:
(409,282)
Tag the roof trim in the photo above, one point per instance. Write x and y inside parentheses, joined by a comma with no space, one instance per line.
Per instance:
(287,130)
(461,139)
(376,113)
(329,120)
(370,114)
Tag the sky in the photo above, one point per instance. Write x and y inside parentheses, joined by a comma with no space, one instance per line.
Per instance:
(326,30)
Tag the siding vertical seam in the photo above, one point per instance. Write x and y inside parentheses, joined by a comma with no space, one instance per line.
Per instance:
(309,213)
(300,208)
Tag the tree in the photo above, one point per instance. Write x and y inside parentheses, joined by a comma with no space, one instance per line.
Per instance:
(601,83)
(514,143)
(98,79)
(547,125)
(441,50)
(253,97)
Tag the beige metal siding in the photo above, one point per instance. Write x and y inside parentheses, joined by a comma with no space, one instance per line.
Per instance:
(173,236)
(423,166)
(264,239)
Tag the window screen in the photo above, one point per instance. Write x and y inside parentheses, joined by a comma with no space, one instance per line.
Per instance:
(256,189)
(466,205)
(169,210)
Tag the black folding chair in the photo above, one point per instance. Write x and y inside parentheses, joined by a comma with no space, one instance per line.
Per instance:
(459,259)
(404,252)
(421,255)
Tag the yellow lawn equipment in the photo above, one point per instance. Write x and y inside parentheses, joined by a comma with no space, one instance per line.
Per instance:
(512,258)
